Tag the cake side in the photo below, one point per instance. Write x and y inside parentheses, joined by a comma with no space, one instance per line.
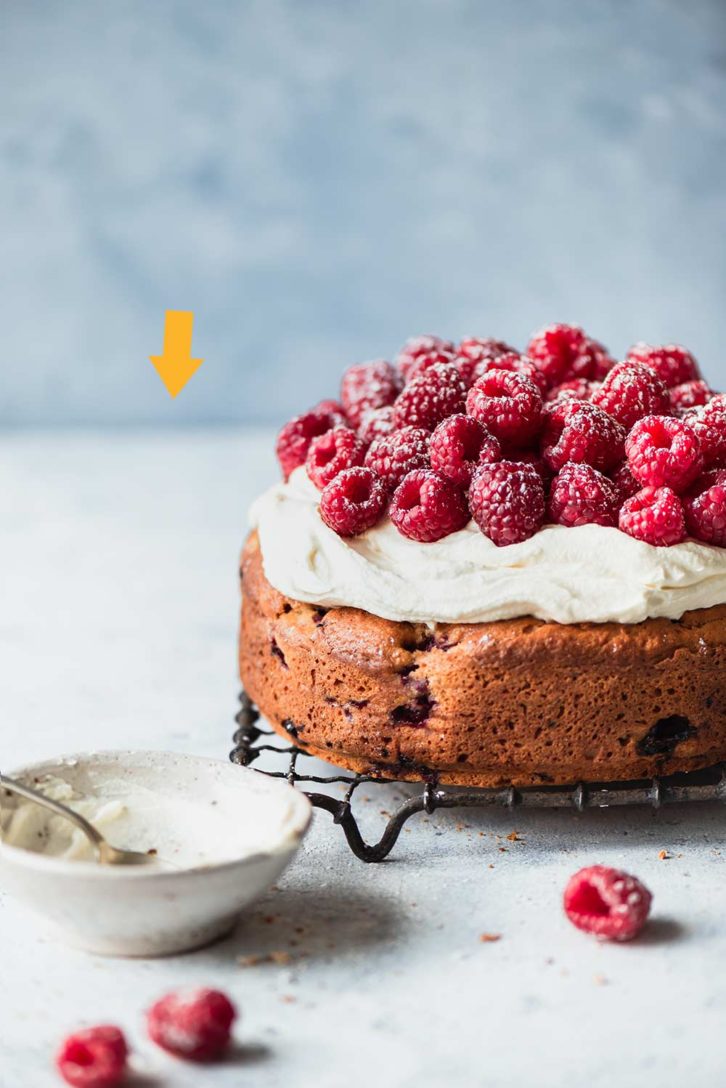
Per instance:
(518,701)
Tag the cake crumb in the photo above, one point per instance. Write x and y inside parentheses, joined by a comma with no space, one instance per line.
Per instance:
(281,958)
(663,855)
(600,980)
(489,938)
(288,999)
(513,836)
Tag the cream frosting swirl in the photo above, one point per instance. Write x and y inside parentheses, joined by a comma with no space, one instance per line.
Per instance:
(577,575)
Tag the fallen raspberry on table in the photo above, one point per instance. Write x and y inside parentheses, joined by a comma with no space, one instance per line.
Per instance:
(671,362)
(654,515)
(612,905)
(508,404)
(473,350)
(293,441)
(709,426)
(689,395)
(394,455)
(625,482)
(376,422)
(420,348)
(575,389)
(663,452)
(580,495)
(368,385)
(430,397)
(705,508)
(93,1058)
(564,352)
(458,445)
(353,502)
(331,453)
(194,1024)
(575,430)
(631,391)
(515,363)
(426,506)
(507,501)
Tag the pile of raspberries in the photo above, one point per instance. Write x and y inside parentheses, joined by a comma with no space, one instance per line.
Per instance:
(562,434)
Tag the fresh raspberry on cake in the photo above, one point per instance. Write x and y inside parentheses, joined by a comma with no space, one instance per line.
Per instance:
(93,1058)
(353,502)
(293,441)
(508,404)
(663,452)
(420,349)
(576,430)
(625,482)
(194,1024)
(631,391)
(368,385)
(430,398)
(426,506)
(654,515)
(580,495)
(689,395)
(473,350)
(507,501)
(375,423)
(331,453)
(393,455)
(608,903)
(709,426)
(576,389)
(458,445)
(672,363)
(515,364)
(533,458)
(564,352)
(705,508)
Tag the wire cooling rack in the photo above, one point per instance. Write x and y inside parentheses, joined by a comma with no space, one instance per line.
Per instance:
(251,740)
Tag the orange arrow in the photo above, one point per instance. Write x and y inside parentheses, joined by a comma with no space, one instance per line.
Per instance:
(176,366)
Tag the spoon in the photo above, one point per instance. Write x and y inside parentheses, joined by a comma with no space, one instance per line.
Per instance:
(107,854)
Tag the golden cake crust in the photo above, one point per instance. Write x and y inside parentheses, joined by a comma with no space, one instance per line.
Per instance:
(485,704)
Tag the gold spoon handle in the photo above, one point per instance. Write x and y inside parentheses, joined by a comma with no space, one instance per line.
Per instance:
(94,837)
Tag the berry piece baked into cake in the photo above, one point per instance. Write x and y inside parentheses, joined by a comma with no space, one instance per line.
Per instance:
(488,567)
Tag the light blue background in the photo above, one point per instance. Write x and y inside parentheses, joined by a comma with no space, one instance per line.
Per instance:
(319,180)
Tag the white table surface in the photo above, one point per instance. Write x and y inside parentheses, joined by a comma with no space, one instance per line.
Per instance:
(118,614)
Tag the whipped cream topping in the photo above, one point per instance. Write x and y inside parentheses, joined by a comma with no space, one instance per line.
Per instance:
(568,575)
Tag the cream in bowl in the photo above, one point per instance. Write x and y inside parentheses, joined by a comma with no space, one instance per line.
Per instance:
(218,836)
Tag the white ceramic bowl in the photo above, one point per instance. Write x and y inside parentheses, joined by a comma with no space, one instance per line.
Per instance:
(150,911)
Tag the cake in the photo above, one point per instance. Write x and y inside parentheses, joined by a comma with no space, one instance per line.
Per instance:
(488,568)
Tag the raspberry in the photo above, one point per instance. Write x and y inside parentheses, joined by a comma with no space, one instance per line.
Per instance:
(376,422)
(420,348)
(507,501)
(717,403)
(625,482)
(581,495)
(654,515)
(195,1025)
(575,430)
(531,457)
(431,397)
(393,455)
(353,502)
(93,1058)
(630,392)
(331,453)
(509,404)
(575,389)
(672,363)
(663,452)
(607,902)
(472,351)
(564,352)
(293,441)
(368,385)
(515,363)
(705,508)
(688,395)
(709,426)
(458,445)
(426,506)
